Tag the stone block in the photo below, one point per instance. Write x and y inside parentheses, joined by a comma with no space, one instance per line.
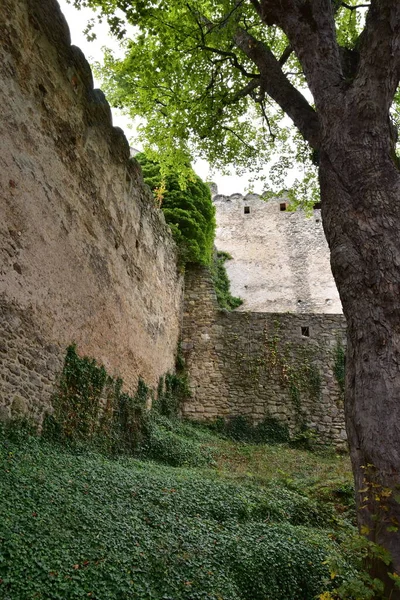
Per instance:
(19,406)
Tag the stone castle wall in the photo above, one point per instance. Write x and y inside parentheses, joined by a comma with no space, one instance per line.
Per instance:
(262,364)
(280,259)
(85,257)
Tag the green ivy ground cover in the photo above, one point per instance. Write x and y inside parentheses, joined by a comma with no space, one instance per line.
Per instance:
(77,524)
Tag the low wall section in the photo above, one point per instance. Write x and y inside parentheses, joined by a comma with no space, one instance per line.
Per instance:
(262,364)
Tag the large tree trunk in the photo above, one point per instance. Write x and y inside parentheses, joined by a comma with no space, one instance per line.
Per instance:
(360,192)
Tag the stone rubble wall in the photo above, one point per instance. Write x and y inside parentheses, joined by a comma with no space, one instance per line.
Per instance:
(252,363)
(280,259)
(84,255)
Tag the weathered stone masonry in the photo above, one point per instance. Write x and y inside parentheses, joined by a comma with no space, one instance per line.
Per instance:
(261,364)
(84,256)
(280,258)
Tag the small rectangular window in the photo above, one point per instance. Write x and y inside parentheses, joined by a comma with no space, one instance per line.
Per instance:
(305,331)
(317,205)
(247,210)
(283,206)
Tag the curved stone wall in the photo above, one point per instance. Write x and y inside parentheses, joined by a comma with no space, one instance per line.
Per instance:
(85,257)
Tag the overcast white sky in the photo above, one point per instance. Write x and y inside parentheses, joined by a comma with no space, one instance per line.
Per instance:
(77,21)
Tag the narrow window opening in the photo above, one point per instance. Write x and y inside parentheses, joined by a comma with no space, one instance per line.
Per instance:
(317,205)
(247,210)
(305,331)
(283,206)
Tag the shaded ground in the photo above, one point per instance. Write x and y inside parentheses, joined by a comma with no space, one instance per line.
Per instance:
(255,523)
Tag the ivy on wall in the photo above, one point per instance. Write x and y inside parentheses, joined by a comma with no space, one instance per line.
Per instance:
(173,389)
(295,367)
(188,210)
(339,366)
(90,407)
(221,282)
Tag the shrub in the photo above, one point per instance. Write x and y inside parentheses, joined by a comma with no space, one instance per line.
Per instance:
(189,212)
(241,428)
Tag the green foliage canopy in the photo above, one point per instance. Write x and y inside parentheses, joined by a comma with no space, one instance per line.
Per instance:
(190,76)
(188,211)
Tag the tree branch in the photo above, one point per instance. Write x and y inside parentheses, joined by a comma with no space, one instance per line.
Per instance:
(228,16)
(353,7)
(233,132)
(310,28)
(279,88)
(379,68)
(285,55)
(265,116)
(234,60)
(246,91)
(200,20)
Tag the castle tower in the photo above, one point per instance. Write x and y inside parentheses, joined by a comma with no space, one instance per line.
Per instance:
(280,258)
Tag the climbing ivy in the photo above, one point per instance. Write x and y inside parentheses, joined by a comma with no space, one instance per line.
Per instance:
(221,282)
(89,406)
(172,391)
(339,365)
(187,208)
(295,367)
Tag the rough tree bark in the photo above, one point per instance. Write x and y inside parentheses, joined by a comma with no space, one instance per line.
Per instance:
(360,194)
